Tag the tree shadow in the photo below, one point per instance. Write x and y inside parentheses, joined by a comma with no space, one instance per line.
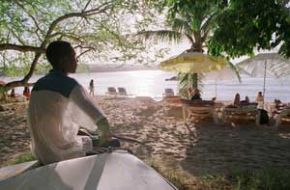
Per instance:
(217,149)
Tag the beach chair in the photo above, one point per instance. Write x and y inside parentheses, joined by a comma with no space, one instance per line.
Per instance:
(195,111)
(168,92)
(243,112)
(122,91)
(112,91)
(281,116)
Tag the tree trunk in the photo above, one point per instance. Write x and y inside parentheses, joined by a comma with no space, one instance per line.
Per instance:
(196,47)
(194,80)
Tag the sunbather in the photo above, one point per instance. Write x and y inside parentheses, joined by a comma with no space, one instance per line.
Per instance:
(237,100)
(246,101)
(194,94)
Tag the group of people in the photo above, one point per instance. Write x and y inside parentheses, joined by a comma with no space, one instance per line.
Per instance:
(25,93)
(194,95)
(259,100)
(238,101)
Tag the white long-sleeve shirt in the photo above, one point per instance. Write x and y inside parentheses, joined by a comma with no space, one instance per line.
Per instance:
(58,107)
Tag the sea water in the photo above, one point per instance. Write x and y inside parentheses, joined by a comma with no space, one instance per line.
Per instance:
(152,83)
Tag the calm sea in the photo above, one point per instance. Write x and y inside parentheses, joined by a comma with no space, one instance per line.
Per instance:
(153,83)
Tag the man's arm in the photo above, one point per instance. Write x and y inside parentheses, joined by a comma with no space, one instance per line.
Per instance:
(81,98)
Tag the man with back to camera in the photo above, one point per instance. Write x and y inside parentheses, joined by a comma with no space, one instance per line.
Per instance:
(58,107)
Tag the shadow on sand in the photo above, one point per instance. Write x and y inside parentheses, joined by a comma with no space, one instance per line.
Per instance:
(224,149)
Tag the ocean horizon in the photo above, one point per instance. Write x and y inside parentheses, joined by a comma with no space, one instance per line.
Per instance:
(152,83)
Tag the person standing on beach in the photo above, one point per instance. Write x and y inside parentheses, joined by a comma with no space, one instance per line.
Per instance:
(58,106)
(92,88)
(12,93)
(262,113)
(26,92)
(260,100)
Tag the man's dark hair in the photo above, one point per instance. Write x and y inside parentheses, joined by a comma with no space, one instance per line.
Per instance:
(57,50)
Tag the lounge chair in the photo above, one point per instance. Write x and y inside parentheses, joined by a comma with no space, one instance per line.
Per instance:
(281,116)
(112,91)
(199,110)
(168,92)
(241,112)
(122,91)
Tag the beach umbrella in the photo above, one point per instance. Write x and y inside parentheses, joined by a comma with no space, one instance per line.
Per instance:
(225,74)
(190,62)
(115,170)
(266,65)
(193,62)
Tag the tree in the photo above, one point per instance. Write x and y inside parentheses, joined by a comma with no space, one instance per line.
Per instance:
(248,25)
(27,27)
(193,20)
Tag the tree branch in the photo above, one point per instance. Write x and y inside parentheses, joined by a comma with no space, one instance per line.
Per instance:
(14,34)
(21,48)
(41,49)
(84,52)
(89,1)
(24,81)
(31,16)
(83,14)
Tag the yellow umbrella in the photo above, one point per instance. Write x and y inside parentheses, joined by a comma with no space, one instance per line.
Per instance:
(193,62)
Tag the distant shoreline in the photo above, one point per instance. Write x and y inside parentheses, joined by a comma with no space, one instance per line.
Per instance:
(83,68)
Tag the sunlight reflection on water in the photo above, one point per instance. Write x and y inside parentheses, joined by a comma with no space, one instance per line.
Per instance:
(153,83)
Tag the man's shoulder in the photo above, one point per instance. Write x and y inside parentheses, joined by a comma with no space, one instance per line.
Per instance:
(57,83)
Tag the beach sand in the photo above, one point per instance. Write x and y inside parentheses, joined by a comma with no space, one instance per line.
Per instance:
(195,148)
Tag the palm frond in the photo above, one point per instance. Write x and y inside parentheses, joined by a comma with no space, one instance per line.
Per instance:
(181,26)
(208,22)
(236,69)
(162,35)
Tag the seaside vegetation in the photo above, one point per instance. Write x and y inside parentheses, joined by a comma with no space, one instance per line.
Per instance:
(14,70)
(225,28)
(235,179)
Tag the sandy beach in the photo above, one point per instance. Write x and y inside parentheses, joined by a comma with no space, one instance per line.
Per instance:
(195,148)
